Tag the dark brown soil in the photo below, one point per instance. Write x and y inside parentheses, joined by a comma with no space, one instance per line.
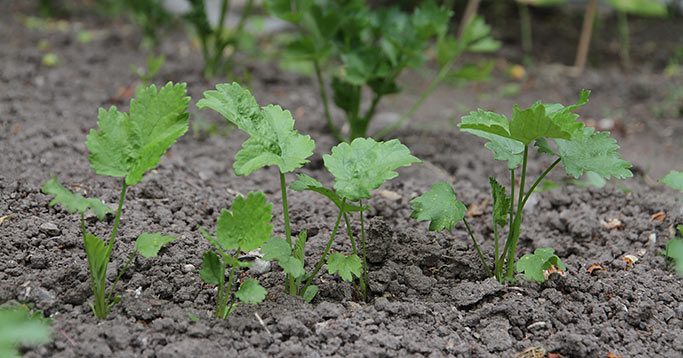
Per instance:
(430,296)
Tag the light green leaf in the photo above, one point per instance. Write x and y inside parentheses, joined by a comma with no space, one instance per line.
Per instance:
(251,292)
(213,270)
(674,250)
(365,164)
(273,140)
(345,266)
(293,266)
(501,203)
(310,293)
(305,182)
(128,146)
(674,179)
(484,121)
(148,245)
(594,152)
(246,228)
(98,258)
(74,202)
(19,327)
(275,249)
(300,246)
(533,123)
(534,265)
(440,206)
(640,7)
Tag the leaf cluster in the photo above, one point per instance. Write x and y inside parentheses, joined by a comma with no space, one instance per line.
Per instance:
(18,326)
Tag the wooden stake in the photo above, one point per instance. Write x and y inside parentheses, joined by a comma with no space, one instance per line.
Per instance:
(586,32)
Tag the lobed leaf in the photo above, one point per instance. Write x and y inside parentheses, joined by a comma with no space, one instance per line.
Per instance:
(74,202)
(246,228)
(440,206)
(305,182)
(534,265)
(365,164)
(251,291)
(130,145)
(674,179)
(148,245)
(272,141)
(595,152)
(345,266)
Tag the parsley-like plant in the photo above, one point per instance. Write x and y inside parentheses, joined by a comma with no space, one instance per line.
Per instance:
(674,248)
(577,148)
(126,146)
(244,229)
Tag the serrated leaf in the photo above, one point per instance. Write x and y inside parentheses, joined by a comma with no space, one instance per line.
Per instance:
(345,266)
(98,258)
(533,123)
(501,203)
(310,293)
(534,265)
(485,121)
(251,292)
(440,206)
(594,152)
(246,227)
(674,179)
(300,246)
(293,266)
(305,182)
(275,249)
(74,202)
(148,245)
(365,164)
(130,145)
(213,270)
(273,140)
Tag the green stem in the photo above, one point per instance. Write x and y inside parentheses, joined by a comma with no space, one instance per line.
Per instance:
(113,287)
(246,10)
(226,294)
(538,181)
(624,37)
(327,248)
(122,197)
(348,228)
(476,246)
(365,280)
(525,19)
(443,72)
(508,240)
(515,229)
(496,250)
(288,231)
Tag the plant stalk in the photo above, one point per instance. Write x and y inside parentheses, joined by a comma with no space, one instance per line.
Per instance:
(364,281)
(327,248)
(476,246)
(515,229)
(323,98)
(288,231)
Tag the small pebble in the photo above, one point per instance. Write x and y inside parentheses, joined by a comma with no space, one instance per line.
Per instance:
(50,229)
(187,268)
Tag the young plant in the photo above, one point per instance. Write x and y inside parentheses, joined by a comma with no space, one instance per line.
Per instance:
(577,147)
(358,167)
(273,141)
(19,326)
(215,40)
(540,265)
(154,64)
(370,49)
(126,146)
(243,230)
(150,15)
(674,248)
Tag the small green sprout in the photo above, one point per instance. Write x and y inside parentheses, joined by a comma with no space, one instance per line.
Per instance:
(154,64)
(126,146)
(674,250)
(539,265)
(244,229)
(19,326)
(578,148)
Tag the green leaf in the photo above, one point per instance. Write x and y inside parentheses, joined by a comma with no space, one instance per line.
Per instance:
(310,293)
(501,203)
(19,327)
(345,266)
(275,249)
(300,246)
(213,270)
(98,259)
(74,202)
(440,206)
(148,245)
(365,164)
(640,7)
(251,292)
(305,182)
(128,146)
(594,152)
(484,121)
(246,228)
(273,140)
(674,179)
(534,265)
(533,123)
(293,266)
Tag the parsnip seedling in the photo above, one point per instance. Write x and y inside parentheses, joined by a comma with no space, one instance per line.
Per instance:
(273,141)
(244,229)
(577,147)
(126,146)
